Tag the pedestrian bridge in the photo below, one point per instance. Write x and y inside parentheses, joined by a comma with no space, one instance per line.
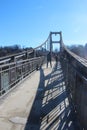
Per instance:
(34,97)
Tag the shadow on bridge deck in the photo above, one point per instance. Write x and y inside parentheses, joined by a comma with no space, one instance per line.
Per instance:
(51,109)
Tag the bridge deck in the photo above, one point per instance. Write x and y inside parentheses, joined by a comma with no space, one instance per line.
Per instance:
(39,102)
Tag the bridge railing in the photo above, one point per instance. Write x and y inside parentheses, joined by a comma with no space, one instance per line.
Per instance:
(17,56)
(11,74)
(75,71)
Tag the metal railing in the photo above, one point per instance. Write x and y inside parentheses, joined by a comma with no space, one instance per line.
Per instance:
(75,72)
(12,73)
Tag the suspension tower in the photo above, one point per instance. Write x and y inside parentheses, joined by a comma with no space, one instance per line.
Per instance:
(56,42)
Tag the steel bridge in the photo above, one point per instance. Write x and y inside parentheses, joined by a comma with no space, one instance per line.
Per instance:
(61,104)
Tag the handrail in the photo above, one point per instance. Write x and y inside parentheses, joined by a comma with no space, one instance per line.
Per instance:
(11,74)
(16,54)
(75,73)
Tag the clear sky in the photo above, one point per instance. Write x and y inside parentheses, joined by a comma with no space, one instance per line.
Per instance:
(28,22)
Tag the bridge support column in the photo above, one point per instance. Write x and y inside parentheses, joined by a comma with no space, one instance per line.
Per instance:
(55,41)
(51,42)
(61,42)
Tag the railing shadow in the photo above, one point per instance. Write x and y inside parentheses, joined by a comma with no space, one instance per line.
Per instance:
(51,108)
(33,121)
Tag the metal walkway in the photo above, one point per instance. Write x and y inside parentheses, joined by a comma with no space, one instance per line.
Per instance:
(51,109)
(39,103)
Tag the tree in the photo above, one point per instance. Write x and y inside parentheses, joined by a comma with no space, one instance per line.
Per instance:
(79,50)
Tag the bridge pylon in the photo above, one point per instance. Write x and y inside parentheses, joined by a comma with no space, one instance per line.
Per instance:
(56,42)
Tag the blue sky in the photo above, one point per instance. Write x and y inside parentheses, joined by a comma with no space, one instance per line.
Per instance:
(28,22)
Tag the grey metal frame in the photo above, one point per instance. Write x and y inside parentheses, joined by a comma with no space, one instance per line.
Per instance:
(12,73)
(75,72)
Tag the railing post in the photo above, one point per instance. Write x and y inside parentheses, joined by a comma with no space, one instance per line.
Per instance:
(81,101)
(0,81)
